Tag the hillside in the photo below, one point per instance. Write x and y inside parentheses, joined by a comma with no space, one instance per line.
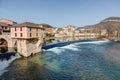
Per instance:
(108,23)
(111,25)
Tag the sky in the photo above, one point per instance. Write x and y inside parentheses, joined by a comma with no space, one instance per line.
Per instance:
(59,13)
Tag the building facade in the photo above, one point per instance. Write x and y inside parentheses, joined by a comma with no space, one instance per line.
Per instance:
(4,29)
(29,38)
(26,30)
(5,26)
(69,30)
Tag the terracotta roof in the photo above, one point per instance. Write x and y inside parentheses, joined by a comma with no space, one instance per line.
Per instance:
(3,24)
(3,19)
(27,24)
(6,19)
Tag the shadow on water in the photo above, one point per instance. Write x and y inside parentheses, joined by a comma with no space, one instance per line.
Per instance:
(6,56)
(3,49)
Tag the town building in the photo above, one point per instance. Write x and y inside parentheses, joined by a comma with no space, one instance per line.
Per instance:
(29,38)
(4,29)
(26,30)
(5,26)
(88,33)
(47,28)
(59,32)
(69,30)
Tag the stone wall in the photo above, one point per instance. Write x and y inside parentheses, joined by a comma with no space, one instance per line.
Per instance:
(10,42)
(29,46)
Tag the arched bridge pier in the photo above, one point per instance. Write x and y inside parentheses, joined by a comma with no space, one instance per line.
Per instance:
(11,43)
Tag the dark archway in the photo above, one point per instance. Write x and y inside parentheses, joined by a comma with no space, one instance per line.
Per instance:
(0,33)
(15,46)
(3,45)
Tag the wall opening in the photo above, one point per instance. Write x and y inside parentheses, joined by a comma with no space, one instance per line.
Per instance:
(3,45)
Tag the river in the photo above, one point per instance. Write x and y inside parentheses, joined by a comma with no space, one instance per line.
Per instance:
(89,60)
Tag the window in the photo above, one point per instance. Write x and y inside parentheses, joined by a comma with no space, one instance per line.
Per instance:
(37,30)
(15,28)
(30,34)
(0,33)
(36,34)
(21,35)
(5,27)
(30,29)
(20,28)
(15,34)
(68,30)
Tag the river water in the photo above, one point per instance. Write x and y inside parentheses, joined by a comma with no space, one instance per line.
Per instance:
(90,60)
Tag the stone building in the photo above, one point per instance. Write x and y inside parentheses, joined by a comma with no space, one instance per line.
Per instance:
(47,28)
(59,32)
(88,33)
(26,30)
(29,38)
(5,26)
(69,30)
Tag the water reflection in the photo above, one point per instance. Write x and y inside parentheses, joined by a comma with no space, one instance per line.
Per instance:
(61,39)
(94,60)
(32,68)
(23,69)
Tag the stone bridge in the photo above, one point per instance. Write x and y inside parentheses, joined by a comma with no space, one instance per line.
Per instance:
(25,47)
(11,43)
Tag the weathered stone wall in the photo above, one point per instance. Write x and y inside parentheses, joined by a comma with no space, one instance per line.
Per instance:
(21,47)
(29,46)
